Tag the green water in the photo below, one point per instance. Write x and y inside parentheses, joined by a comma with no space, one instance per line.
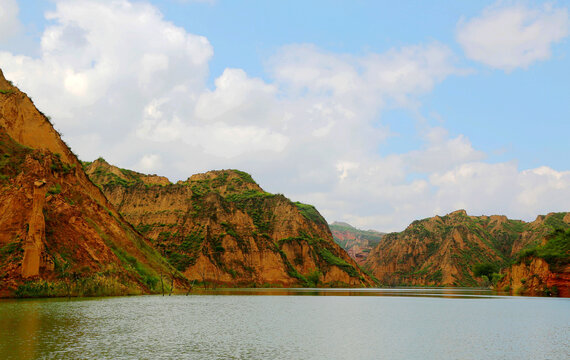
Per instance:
(289,324)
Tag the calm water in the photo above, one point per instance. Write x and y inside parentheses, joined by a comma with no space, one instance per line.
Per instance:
(240,324)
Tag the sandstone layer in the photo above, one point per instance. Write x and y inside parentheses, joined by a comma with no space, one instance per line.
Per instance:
(445,250)
(220,227)
(58,232)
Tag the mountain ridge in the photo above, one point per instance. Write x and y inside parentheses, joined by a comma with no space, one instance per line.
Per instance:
(221,227)
(448,250)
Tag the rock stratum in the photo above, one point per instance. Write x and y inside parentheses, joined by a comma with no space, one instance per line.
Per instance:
(58,233)
(221,227)
(542,269)
(357,243)
(462,250)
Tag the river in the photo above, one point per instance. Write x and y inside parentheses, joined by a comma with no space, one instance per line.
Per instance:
(289,324)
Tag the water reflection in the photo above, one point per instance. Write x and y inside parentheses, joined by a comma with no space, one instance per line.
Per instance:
(32,327)
(450,293)
(408,323)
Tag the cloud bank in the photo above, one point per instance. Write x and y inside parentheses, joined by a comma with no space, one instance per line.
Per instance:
(514,36)
(124,83)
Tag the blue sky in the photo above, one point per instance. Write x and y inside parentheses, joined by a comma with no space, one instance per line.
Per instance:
(480,103)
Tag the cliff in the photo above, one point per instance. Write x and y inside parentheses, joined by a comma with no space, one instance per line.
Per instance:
(220,227)
(58,233)
(542,269)
(456,249)
(357,243)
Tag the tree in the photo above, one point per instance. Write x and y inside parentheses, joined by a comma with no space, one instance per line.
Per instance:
(484,269)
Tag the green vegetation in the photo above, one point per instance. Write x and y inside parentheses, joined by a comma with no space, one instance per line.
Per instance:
(321,253)
(231,231)
(55,189)
(104,175)
(12,156)
(129,262)
(143,228)
(310,213)
(254,203)
(180,261)
(334,260)
(57,165)
(180,251)
(95,285)
(555,221)
(555,252)
(314,278)
(245,177)
(485,269)
(435,277)
(247,196)
(515,226)
(11,251)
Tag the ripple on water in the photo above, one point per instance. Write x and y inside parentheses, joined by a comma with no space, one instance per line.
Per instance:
(378,324)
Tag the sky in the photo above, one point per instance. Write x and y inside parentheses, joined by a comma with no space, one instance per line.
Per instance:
(376,112)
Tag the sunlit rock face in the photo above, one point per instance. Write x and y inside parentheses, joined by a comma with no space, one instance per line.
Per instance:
(445,250)
(220,227)
(58,233)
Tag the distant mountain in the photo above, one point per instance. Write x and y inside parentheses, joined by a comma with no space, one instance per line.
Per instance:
(462,250)
(221,227)
(357,243)
(59,235)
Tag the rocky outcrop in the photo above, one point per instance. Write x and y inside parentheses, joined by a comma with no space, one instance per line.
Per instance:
(534,277)
(444,250)
(34,245)
(220,227)
(542,269)
(357,243)
(58,232)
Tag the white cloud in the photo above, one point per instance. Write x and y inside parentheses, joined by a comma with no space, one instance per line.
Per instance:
(104,58)
(235,93)
(149,163)
(396,74)
(545,189)
(486,187)
(123,83)
(514,36)
(441,153)
(9,22)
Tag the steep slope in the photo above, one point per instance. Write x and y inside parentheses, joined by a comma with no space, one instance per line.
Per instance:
(542,269)
(448,250)
(58,233)
(221,227)
(357,243)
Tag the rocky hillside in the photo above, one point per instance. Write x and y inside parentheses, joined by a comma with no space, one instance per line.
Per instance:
(542,269)
(357,243)
(58,233)
(222,228)
(457,249)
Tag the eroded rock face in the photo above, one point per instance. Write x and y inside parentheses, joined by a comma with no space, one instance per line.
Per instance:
(535,277)
(221,227)
(34,245)
(444,250)
(55,225)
